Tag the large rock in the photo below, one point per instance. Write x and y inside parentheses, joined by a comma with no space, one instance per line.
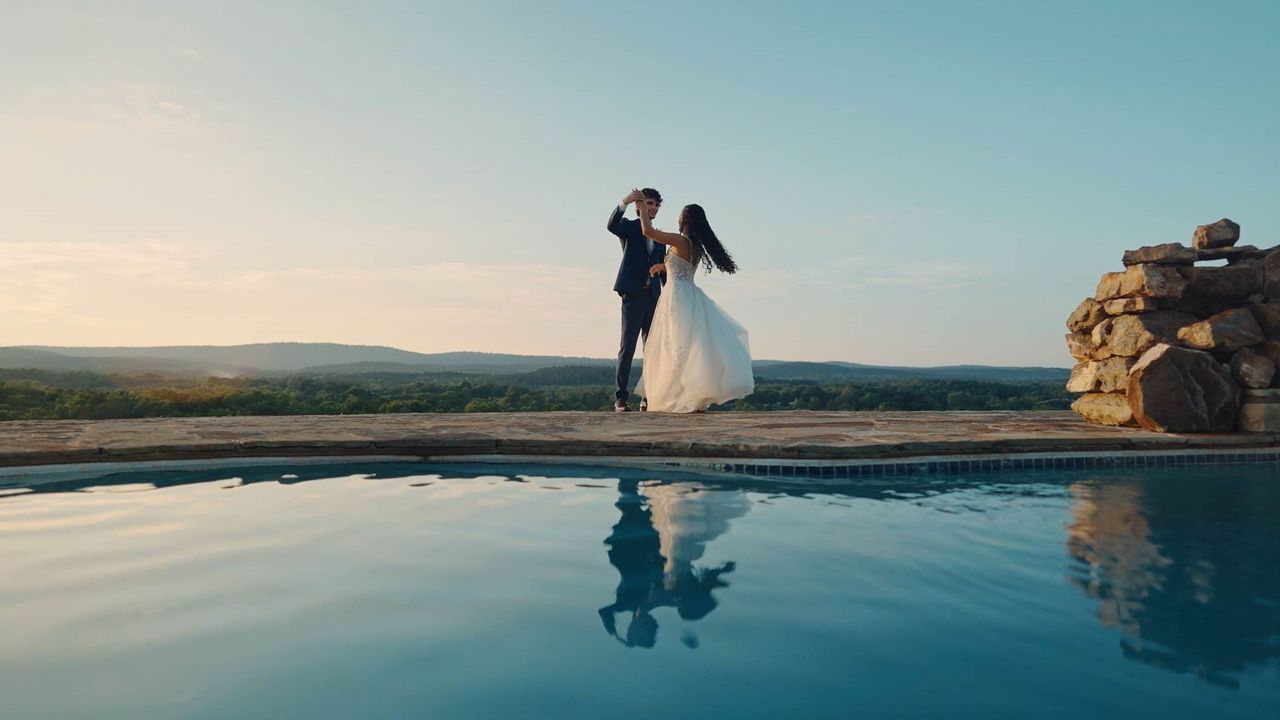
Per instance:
(1223,233)
(1211,290)
(1166,254)
(1226,331)
(1173,389)
(1099,337)
(1132,335)
(1231,254)
(1271,350)
(1252,369)
(1082,347)
(1268,317)
(1104,408)
(1150,280)
(1260,411)
(1084,377)
(1107,376)
(1109,285)
(1086,315)
(1113,374)
(1271,275)
(1204,307)
(1128,306)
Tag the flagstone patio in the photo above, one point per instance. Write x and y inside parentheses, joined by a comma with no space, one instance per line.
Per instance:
(805,436)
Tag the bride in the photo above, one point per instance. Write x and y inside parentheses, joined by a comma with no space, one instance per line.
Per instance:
(696,355)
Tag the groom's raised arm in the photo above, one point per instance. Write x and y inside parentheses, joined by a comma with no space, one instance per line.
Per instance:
(615,221)
(616,225)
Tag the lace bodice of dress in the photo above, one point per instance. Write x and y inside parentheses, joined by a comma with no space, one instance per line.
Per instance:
(678,268)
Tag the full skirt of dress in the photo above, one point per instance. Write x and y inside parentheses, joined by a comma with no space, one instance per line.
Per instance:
(696,355)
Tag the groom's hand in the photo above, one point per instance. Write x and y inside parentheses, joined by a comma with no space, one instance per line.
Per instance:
(657,269)
(633,196)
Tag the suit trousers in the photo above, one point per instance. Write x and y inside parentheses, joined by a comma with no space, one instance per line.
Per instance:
(637,316)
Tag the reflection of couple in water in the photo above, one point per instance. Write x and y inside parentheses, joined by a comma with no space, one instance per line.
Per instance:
(662,530)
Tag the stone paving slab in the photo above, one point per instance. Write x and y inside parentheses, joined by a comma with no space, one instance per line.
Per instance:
(763,435)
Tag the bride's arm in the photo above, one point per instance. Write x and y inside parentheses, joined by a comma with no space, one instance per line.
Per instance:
(674,239)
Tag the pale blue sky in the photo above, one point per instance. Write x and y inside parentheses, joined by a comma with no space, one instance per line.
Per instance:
(902,182)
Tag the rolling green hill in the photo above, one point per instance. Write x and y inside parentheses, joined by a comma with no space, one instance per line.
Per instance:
(331,359)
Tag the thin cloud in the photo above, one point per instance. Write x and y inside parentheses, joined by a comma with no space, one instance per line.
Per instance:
(852,273)
(932,277)
(93,293)
(192,55)
(62,259)
(148,110)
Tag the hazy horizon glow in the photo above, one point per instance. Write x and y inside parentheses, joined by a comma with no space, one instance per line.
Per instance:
(901,183)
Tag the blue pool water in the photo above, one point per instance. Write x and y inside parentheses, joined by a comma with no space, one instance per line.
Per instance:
(400,590)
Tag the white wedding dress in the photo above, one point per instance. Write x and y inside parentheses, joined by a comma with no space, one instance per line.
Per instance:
(696,355)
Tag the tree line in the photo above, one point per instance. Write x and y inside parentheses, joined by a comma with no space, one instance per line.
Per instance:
(40,395)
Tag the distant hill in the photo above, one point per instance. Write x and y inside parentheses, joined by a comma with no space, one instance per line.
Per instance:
(288,357)
(59,378)
(257,357)
(457,362)
(366,368)
(830,371)
(40,359)
(325,359)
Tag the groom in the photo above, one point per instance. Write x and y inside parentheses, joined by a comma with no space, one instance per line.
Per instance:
(639,291)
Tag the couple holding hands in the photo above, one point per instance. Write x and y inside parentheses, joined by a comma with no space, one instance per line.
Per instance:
(695,354)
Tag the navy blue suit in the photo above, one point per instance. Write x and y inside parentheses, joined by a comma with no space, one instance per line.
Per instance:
(639,292)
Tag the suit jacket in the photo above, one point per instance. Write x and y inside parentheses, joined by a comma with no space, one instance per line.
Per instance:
(633,271)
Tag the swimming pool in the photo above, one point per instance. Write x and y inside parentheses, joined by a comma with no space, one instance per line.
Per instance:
(398,590)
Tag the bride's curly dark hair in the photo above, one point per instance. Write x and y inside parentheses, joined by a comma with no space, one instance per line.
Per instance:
(706,246)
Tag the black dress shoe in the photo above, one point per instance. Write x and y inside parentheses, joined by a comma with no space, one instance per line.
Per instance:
(621,406)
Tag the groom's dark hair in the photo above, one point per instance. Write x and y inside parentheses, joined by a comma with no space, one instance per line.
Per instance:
(653,195)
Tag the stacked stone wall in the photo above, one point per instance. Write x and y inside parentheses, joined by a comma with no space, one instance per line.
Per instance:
(1173,345)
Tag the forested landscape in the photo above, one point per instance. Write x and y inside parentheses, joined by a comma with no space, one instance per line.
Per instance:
(42,394)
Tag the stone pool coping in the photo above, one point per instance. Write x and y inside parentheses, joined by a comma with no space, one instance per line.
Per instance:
(724,442)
